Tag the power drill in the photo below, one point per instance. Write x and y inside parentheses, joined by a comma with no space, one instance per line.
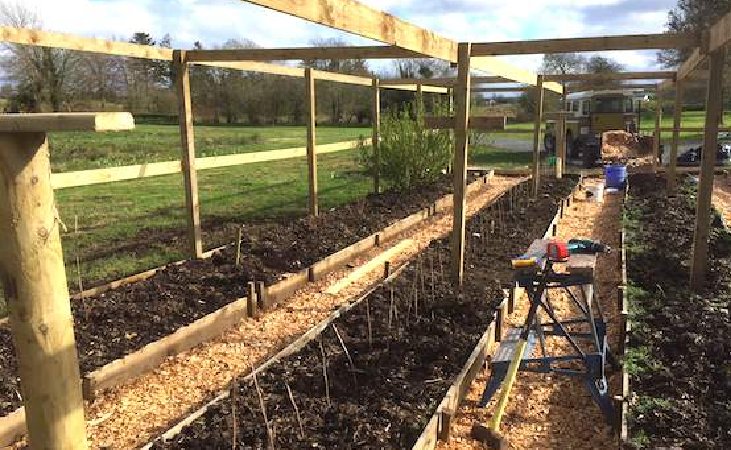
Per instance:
(587,247)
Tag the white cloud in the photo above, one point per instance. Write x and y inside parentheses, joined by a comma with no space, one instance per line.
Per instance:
(214,21)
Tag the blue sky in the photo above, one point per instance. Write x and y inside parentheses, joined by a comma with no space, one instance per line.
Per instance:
(214,21)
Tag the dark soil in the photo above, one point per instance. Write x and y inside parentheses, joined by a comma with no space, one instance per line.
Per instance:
(385,397)
(121,321)
(680,348)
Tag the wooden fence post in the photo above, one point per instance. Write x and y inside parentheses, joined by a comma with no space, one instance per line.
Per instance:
(376,137)
(311,139)
(190,177)
(677,120)
(658,131)
(33,275)
(714,111)
(560,145)
(462,114)
(537,134)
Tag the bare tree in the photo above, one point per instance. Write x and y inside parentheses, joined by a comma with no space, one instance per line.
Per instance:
(41,75)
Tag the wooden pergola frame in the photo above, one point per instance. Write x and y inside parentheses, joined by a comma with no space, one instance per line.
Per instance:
(62,426)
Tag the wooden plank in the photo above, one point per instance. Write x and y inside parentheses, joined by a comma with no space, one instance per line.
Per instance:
(354,17)
(413,87)
(501,89)
(694,60)
(720,33)
(589,87)
(462,114)
(658,132)
(475,123)
(311,141)
(714,111)
(340,78)
(302,53)
(368,267)
(75,121)
(443,82)
(650,75)
(658,41)
(677,118)
(376,133)
(504,69)
(153,354)
(112,174)
(12,427)
(538,122)
(42,38)
(187,140)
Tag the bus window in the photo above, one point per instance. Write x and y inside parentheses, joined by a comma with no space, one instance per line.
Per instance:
(568,106)
(628,105)
(586,107)
(609,104)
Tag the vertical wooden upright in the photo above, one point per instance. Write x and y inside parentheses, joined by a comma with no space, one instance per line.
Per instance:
(714,111)
(187,140)
(537,134)
(376,136)
(461,120)
(658,131)
(311,140)
(677,116)
(560,145)
(34,278)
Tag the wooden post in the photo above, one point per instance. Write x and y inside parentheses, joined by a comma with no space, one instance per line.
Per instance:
(560,145)
(677,116)
(311,139)
(658,133)
(420,95)
(34,278)
(375,138)
(714,110)
(462,113)
(190,177)
(537,134)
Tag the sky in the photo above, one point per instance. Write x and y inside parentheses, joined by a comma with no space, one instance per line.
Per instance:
(212,22)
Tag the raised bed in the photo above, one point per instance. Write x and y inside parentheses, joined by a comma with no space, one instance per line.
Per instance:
(152,354)
(384,390)
(679,343)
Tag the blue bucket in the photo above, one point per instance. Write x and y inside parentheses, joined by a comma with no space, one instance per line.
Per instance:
(615,175)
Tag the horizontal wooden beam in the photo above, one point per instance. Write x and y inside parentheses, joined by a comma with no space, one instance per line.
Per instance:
(414,87)
(502,89)
(41,38)
(357,18)
(301,53)
(660,75)
(448,82)
(121,173)
(486,122)
(504,69)
(42,122)
(591,44)
(611,87)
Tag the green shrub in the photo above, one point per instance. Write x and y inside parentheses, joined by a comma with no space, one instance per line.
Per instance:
(410,153)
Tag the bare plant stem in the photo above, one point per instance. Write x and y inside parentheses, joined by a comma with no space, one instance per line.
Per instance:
(324,372)
(391,310)
(234,434)
(370,325)
(264,412)
(238,248)
(342,344)
(296,410)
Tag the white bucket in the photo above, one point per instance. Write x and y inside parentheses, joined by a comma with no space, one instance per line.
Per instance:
(597,192)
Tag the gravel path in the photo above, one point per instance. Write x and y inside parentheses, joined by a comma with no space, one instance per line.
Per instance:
(545,411)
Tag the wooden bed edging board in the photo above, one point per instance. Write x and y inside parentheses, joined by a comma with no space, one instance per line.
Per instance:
(12,427)
(623,399)
(437,429)
(295,346)
(211,325)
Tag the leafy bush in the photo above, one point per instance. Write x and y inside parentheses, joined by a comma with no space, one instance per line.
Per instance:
(410,153)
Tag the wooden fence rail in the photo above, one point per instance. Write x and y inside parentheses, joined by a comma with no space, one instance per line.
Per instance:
(121,173)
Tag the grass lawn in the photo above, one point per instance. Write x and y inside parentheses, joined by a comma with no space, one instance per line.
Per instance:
(151,143)
(499,159)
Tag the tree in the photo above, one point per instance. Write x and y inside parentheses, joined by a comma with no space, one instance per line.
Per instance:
(147,80)
(41,74)
(601,65)
(691,16)
(563,63)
